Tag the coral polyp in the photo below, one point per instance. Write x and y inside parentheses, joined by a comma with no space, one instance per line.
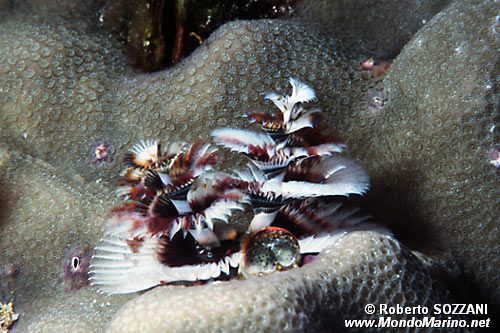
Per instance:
(176,222)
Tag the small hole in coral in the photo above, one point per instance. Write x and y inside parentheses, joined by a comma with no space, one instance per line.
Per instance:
(75,263)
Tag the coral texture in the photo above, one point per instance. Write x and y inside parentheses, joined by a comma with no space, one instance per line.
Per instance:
(65,86)
(362,267)
(439,125)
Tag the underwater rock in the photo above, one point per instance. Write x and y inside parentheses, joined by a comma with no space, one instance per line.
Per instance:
(42,215)
(427,151)
(375,28)
(53,76)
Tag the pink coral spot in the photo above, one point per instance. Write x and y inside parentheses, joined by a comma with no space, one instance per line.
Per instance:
(308,259)
(101,152)
(367,65)
(494,157)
